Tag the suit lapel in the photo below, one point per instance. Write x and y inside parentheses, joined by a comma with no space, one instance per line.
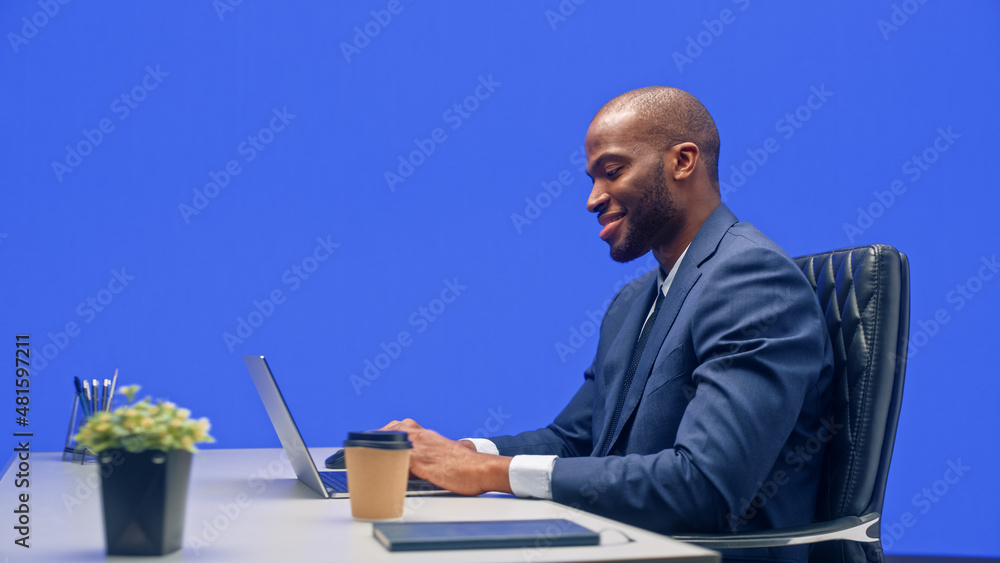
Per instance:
(620,352)
(701,249)
(682,284)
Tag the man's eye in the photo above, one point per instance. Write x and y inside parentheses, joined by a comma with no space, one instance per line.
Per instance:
(613,172)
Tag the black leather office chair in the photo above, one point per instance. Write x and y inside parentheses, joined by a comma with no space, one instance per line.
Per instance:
(865,294)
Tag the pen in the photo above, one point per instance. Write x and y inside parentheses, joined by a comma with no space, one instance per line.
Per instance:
(86,398)
(93,397)
(81,397)
(104,394)
(111,393)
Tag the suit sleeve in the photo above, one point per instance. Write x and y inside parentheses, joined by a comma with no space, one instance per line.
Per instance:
(756,335)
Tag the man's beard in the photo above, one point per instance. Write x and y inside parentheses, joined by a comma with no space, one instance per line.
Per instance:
(646,220)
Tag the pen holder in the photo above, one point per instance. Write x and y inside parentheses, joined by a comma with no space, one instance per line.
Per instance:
(72,451)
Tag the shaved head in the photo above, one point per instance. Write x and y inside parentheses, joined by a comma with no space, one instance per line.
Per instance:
(670,116)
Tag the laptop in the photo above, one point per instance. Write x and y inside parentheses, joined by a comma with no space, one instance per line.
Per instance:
(328,484)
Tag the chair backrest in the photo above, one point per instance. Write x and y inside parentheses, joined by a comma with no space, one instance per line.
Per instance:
(865,295)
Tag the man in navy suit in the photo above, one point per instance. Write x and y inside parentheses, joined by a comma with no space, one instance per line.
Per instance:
(706,406)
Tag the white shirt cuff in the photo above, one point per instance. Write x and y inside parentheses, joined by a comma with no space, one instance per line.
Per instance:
(531,475)
(484,446)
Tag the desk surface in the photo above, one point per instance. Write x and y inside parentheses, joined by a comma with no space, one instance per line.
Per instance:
(246,505)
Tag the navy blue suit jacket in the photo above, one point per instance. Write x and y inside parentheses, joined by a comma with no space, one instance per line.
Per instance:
(721,428)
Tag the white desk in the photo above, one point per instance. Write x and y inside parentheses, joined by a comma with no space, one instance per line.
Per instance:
(282,520)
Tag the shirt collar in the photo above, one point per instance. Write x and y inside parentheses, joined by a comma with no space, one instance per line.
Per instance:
(665,281)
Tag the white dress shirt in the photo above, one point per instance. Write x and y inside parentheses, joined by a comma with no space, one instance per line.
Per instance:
(531,475)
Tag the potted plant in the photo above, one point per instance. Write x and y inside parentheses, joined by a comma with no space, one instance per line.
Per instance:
(145,454)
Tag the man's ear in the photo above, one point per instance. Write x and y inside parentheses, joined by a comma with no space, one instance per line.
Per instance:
(683,158)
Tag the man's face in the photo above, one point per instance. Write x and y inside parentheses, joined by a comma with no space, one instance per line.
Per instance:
(630,195)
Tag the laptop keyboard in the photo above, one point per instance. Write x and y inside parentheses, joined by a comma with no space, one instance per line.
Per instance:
(335,480)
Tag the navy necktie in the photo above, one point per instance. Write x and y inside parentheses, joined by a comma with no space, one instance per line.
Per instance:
(630,372)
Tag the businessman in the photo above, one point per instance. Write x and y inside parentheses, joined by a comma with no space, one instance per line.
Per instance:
(711,373)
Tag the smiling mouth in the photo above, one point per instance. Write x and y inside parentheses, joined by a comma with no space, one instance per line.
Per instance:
(609,217)
(610,220)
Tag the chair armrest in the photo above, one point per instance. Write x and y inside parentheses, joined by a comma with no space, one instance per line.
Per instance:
(852,528)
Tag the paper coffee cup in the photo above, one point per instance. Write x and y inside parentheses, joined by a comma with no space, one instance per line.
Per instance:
(378,468)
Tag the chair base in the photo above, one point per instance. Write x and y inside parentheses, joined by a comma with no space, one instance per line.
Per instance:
(851,528)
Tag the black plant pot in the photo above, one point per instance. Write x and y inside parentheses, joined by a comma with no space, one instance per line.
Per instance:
(144,496)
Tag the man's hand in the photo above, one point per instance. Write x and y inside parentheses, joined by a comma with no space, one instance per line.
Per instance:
(453,465)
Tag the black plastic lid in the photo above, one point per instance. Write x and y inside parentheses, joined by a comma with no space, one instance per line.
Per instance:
(378,439)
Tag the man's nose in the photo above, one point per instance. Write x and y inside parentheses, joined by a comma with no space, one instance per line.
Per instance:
(598,199)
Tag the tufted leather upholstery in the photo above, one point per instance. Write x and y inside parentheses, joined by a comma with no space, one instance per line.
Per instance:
(865,295)
(864,292)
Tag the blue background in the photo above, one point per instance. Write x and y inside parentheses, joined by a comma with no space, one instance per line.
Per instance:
(509,350)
